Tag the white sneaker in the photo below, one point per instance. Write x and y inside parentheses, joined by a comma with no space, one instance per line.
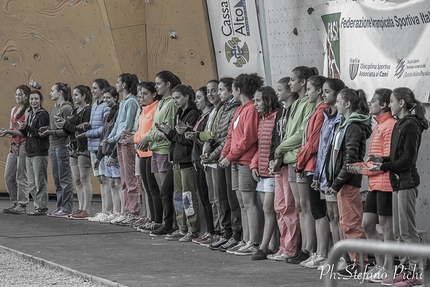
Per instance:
(118,218)
(303,263)
(341,264)
(109,217)
(96,218)
(278,257)
(315,262)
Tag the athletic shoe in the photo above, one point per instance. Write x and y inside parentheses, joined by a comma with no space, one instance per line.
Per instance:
(410,282)
(131,218)
(217,245)
(302,255)
(59,214)
(161,231)
(118,218)
(19,209)
(9,209)
(259,255)
(202,237)
(351,270)
(174,236)
(390,281)
(149,226)
(278,257)
(249,249)
(239,245)
(52,212)
(230,244)
(71,214)
(81,215)
(37,212)
(188,237)
(307,260)
(141,222)
(109,217)
(209,240)
(97,217)
(315,262)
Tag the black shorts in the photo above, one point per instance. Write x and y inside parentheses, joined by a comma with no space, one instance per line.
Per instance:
(318,205)
(379,202)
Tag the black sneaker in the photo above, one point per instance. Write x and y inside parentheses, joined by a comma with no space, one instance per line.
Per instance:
(350,271)
(161,231)
(299,257)
(218,244)
(230,244)
(10,208)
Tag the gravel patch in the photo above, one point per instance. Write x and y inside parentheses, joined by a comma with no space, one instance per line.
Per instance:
(18,271)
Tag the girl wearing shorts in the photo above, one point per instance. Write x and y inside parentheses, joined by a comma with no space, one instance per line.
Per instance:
(266,104)
(240,147)
(80,160)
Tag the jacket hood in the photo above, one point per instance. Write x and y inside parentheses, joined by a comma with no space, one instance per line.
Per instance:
(355,117)
(424,125)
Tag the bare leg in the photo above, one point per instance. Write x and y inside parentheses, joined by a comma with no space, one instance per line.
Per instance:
(267,198)
(253,213)
(78,184)
(85,173)
(244,215)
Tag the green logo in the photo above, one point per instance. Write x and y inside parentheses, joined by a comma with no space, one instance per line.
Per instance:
(331,24)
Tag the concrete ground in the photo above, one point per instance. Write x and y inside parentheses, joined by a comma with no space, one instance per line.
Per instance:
(120,254)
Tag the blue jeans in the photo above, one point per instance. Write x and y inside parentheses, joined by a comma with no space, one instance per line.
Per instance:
(62,175)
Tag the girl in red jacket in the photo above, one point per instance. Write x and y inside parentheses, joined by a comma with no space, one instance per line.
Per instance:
(240,147)
(267,105)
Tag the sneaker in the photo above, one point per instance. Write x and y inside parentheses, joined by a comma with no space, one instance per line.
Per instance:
(308,260)
(209,240)
(302,255)
(315,262)
(390,281)
(109,217)
(118,218)
(341,264)
(189,237)
(52,212)
(278,257)
(175,236)
(161,231)
(350,270)
(59,214)
(259,255)
(81,215)
(141,222)
(9,209)
(97,217)
(216,245)
(410,282)
(229,245)
(131,218)
(73,213)
(249,249)
(202,237)
(37,212)
(149,226)
(239,245)
(19,209)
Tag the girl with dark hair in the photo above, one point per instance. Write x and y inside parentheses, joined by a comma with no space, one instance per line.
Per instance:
(94,127)
(378,205)
(36,147)
(165,113)
(306,162)
(404,177)
(108,154)
(266,104)
(185,192)
(287,216)
(288,150)
(148,100)
(240,147)
(126,85)
(80,161)
(59,150)
(15,175)
(349,147)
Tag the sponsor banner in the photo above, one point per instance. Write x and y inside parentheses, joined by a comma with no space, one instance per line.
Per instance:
(236,37)
(375,44)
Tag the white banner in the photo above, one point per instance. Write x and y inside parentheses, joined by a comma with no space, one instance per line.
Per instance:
(375,44)
(236,37)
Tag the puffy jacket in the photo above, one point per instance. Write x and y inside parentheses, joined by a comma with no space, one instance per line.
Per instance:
(146,120)
(292,142)
(379,144)
(220,132)
(99,111)
(36,145)
(405,144)
(109,149)
(307,157)
(241,144)
(261,157)
(350,146)
(180,147)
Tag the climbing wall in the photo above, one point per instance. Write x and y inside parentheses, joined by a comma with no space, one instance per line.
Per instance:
(77,41)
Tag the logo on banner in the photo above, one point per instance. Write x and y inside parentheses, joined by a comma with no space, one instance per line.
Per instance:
(354,66)
(331,24)
(234,50)
(400,68)
(236,21)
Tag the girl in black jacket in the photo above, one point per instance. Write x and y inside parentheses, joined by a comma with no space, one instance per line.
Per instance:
(37,148)
(404,177)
